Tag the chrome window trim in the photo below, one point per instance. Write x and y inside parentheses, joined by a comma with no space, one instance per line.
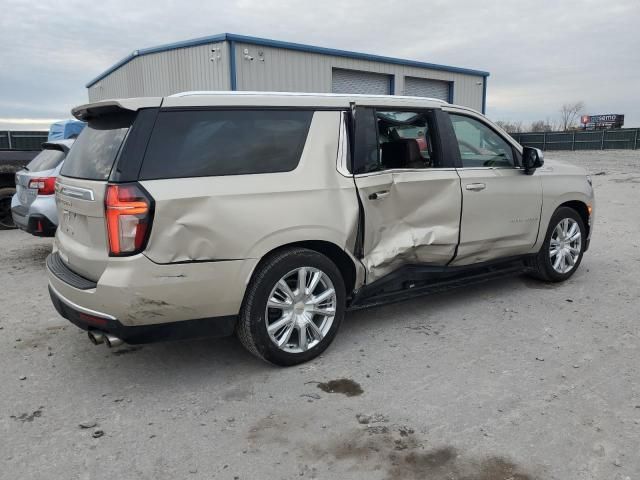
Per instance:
(404,170)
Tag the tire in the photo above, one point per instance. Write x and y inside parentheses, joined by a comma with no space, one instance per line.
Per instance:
(542,266)
(6,221)
(294,310)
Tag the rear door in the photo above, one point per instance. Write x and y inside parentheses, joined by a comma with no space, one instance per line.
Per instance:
(81,237)
(410,196)
(501,204)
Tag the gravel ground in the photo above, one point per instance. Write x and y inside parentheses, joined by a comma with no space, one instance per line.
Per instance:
(511,379)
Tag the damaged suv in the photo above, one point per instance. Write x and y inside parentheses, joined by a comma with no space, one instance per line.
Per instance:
(269,214)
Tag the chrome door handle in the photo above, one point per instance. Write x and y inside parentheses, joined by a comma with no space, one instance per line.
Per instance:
(379,195)
(476,187)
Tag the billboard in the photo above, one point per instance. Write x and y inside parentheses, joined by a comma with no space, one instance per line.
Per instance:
(608,120)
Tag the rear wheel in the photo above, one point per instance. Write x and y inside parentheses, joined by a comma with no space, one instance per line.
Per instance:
(563,247)
(6,221)
(292,308)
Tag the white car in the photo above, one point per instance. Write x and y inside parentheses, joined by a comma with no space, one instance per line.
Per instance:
(33,207)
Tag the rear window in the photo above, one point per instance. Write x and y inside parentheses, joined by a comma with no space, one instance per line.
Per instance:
(225,142)
(97,147)
(45,160)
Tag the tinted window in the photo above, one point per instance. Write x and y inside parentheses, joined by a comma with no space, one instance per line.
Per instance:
(225,142)
(479,145)
(366,156)
(97,146)
(45,160)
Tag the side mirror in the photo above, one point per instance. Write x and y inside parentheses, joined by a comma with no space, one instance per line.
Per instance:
(532,158)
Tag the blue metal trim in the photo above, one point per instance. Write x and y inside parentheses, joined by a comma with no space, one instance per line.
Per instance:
(288,46)
(450,96)
(392,84)
(160,48)
(232,65)
(484,95)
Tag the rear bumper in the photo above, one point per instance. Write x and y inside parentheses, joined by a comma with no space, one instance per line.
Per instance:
(39,219)
(140,301)
(92,320)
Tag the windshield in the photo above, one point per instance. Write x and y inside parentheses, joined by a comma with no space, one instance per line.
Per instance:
(45,160)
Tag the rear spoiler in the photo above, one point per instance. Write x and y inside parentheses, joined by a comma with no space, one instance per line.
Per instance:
(96,109)
(55,146)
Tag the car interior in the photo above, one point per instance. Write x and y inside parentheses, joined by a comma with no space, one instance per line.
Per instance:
(404,140)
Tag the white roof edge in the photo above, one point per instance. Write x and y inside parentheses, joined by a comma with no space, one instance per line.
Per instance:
(228,98)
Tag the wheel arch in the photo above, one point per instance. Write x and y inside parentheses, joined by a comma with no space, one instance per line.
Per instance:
(581,208)
(345,263)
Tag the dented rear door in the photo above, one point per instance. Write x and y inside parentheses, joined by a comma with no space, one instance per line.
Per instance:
(411,216)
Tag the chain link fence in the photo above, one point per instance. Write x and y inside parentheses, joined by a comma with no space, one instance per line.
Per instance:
(22,140)
(623,138)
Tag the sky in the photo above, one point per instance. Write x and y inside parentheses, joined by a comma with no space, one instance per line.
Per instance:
(541,54)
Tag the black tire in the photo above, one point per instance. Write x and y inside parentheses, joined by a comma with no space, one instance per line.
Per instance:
(251,329)
(541,266)
(6,221)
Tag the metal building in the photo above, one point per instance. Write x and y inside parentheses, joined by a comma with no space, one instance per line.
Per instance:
(237,62)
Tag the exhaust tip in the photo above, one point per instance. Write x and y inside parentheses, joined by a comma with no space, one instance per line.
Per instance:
(96,337)
(112,341)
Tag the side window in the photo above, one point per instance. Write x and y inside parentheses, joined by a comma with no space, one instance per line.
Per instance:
(404,140)
(479,145)
(387,139)
(225,142)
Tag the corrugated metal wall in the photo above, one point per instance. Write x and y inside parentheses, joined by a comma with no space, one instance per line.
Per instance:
(355,81)
(272,69)
(166,73)
(421,87)
(293,71)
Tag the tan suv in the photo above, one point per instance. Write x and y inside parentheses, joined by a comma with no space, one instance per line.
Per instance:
(269,215)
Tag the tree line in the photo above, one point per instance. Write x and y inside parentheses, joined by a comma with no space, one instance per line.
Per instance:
(568,117)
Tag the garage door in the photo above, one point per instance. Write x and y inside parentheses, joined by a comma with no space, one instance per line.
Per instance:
(422,87)
(355,81)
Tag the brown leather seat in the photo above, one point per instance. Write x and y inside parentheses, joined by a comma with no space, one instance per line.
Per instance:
(402,153)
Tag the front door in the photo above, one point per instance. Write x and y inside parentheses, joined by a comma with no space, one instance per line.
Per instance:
(410,197)
(501,204)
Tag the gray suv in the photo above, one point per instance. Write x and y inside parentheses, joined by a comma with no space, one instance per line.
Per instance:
(270,215)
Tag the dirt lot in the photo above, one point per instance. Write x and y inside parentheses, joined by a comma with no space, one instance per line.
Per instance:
(511,379)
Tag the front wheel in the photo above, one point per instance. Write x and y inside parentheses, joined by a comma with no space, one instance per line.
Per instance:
(293,307)
(563,247)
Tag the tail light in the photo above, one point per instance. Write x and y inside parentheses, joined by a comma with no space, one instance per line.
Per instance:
(128,210)
(45,186)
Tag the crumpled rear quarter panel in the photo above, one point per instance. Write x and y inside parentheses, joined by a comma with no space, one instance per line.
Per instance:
(246,216)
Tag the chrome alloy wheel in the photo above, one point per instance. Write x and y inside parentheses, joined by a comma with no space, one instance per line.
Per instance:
(565,245)
(300,309)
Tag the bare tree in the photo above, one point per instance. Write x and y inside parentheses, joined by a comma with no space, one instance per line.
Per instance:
(569,113)
(541,126)
(510,127)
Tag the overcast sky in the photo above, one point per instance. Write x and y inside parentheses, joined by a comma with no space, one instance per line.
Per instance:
(540,53)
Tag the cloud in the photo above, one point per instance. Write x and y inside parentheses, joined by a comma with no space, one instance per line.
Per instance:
(540,54)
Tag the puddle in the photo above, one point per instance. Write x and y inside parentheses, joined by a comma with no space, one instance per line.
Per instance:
(342,385)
